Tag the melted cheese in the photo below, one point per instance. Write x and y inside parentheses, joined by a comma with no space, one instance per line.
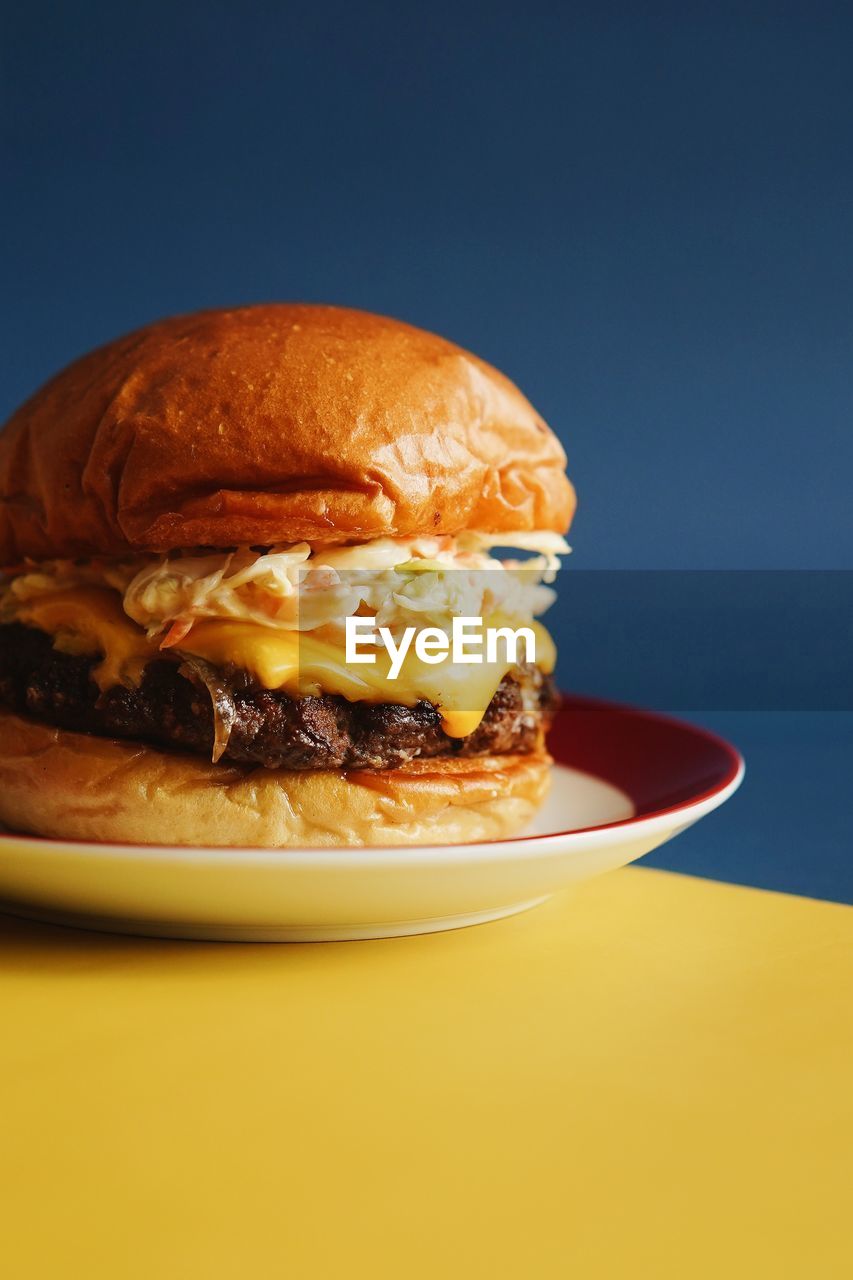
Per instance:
(91,620)
(308,663)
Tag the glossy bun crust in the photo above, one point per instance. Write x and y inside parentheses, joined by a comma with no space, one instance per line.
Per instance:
(75,786)
(273,423)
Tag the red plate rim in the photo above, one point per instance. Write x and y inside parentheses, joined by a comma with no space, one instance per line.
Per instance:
(690,763)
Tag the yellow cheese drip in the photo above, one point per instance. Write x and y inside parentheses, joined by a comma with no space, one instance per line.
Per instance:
(90,620)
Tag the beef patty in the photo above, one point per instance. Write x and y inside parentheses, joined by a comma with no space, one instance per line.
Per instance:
(174,706)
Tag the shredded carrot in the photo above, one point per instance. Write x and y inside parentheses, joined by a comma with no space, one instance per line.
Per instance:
(176,632)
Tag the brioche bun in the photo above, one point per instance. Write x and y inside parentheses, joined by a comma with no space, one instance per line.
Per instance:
(77,787)
(273,423)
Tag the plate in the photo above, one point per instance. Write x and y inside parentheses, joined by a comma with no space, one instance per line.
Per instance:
(625,781)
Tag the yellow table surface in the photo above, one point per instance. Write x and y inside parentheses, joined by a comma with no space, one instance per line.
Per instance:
(651,1077)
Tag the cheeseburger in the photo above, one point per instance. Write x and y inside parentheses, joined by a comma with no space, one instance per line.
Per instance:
(192,521)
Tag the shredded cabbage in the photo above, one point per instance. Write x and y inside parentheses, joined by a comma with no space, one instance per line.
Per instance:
(400,581)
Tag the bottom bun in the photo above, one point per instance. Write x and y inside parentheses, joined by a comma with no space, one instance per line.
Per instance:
(78,787)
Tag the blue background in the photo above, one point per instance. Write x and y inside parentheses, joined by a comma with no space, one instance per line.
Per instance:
(642,213)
